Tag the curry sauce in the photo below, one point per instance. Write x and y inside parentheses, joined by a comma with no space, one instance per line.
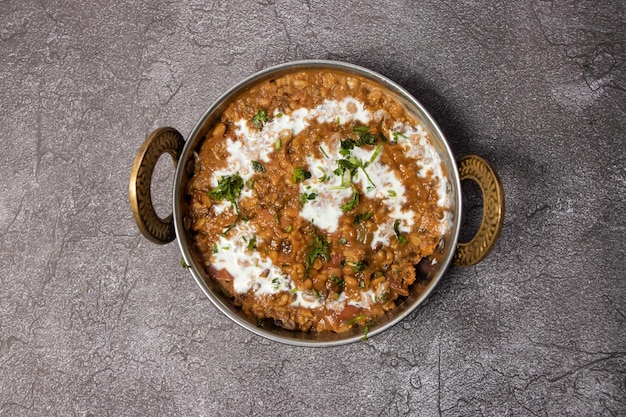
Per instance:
(312,199)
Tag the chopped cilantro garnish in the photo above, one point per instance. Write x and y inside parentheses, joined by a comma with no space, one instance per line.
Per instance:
(250,183)
(392,193)
(355,319)
(300,174)
(259,119)
(304,197)
(228,188)
(279,115)
(324,177)
(318,247)
(377,152)
(232,226)
(352,164)
(336,280)
(382,137)
(252,243)
(397,136)
(343,240)
(354,201)
(366,139)
(356,266)
(288,229)
(347,144)
(361,284)
(276,283)
(276,216)
(278,144)
(316,293)
(366,330)
(396,228)
(359,130)
(260,322)
(214,247)
(324,152)
(361,217)
(183,264)
(257,166)
(293,290)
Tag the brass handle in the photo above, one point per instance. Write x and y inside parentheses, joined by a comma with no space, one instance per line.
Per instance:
(162,140)
(475,168)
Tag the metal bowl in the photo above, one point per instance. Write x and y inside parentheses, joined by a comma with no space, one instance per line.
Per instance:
(429,271)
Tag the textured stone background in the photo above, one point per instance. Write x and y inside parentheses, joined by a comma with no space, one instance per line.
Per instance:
(97,321)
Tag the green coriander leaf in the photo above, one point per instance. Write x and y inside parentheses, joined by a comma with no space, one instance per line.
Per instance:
(252,243)
(361,217)
(214,247)
(379,148)
(277,144)
(228,188)
(259,119)
(347,144)
(396,229)
(324,152)
(356,266)
(366,330)
(257,166)
(355,319)
(359,130)
(397,136)
(299,174)
(324,177)
(183,264)
(392,193)
(366,139)
(336,280)
(343,241)
(231,227)
(354,201)
(318,247)
(288,229)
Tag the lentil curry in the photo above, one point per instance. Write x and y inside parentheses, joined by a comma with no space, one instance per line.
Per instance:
(313,197)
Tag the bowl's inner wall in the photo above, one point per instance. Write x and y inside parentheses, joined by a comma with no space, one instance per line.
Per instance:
(428,274)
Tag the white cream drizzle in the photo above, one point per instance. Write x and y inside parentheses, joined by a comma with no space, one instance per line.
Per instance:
(254,272)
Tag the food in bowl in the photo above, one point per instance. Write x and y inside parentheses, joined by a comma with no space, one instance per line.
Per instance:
(313,197)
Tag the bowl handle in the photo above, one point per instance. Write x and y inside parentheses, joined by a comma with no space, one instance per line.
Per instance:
(162,140)
(472,167)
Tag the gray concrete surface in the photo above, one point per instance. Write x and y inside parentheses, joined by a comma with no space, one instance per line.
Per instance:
(97,321)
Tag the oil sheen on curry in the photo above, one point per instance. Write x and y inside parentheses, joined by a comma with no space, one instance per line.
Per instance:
(312,199)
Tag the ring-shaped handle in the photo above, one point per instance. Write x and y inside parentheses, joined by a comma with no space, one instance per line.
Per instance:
(163,140)
(475,168)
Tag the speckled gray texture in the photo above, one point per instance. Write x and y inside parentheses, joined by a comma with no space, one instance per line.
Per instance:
(97,321)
